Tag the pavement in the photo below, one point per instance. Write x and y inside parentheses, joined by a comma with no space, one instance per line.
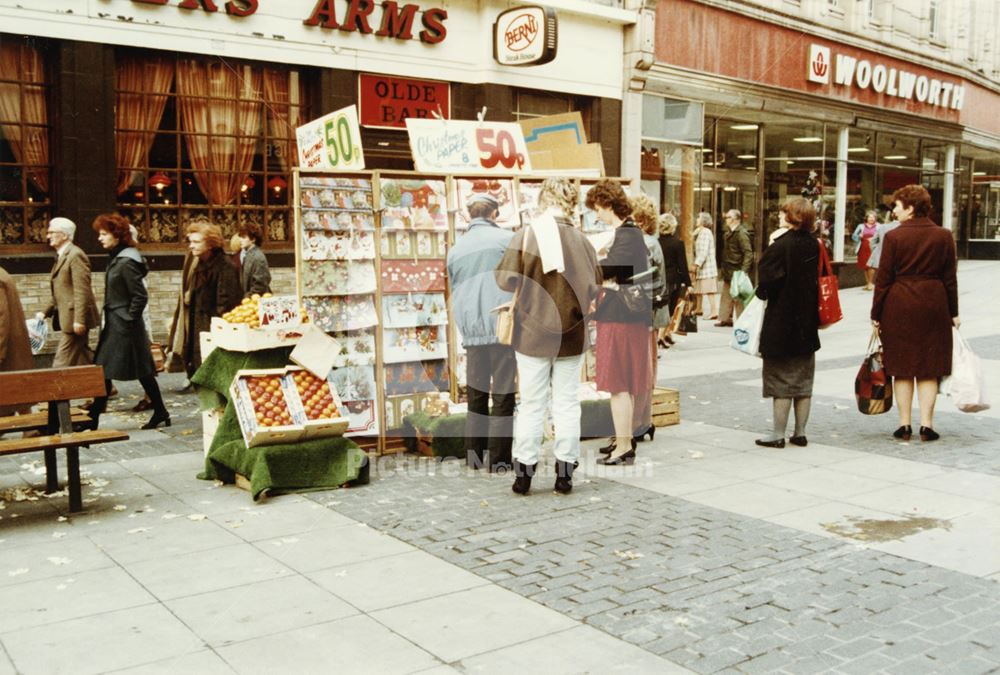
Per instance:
(856,554)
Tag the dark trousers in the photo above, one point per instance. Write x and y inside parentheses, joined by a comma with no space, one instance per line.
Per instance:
(490,369)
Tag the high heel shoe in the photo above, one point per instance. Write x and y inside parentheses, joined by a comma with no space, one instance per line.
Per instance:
(650,431)
(611,447)
(159,417)
(662,344)
(928,434)
(624,458)
(903,433)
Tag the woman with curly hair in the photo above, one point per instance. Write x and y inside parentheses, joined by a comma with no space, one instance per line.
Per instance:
(645,216)
(123,348)
(623,328)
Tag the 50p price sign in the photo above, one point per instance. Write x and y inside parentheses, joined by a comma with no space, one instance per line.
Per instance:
(467,147)
(331,142)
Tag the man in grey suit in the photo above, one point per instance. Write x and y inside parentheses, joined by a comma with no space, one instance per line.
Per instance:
(255,275)
(73,309)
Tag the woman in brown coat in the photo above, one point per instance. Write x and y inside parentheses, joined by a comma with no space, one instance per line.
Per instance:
(915,306)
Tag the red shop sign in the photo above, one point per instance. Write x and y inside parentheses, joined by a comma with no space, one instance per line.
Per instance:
(387,101)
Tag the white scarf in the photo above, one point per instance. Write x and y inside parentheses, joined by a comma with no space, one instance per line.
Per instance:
(546,231)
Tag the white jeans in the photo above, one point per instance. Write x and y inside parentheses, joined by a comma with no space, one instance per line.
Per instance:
(538,378)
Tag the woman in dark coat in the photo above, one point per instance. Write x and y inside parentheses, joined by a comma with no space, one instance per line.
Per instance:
(789,338)
(215,287)
(623,343)
(123,348)
(915,305)
(675,271)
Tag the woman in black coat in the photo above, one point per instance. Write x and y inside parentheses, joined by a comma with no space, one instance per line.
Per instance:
(123,348)
(623,344)
(675,270)
(215,288)
(789,339)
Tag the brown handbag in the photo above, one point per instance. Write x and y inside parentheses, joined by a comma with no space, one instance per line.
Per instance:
(505,312)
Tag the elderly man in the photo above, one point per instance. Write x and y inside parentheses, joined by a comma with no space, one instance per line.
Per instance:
(73,309)
(737,255)
(490,365)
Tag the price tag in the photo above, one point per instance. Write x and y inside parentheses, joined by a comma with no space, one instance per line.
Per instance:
(467,147)
(331,142)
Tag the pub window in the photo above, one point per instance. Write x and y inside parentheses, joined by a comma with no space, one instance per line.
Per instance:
(204,138)
(25,187)
(540,103)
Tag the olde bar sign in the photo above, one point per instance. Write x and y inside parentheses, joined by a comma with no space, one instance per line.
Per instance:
(393,20)
(388,101)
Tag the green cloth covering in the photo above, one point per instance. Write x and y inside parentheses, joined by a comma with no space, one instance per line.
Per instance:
(448,432)
(306,465)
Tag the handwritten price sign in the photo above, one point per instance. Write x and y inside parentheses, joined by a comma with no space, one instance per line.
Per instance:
(467,147)
(332,142)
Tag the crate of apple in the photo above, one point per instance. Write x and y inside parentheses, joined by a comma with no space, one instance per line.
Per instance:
(269,404)
(317,397)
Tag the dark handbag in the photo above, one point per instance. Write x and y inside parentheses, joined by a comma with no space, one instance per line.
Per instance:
(635,299)
(689,323)
(829,293)
(873,386)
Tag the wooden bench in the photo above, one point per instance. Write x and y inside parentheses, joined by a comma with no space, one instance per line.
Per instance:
(57,387)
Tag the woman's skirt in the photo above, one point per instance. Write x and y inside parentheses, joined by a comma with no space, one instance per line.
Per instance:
(623,357)
(705,286)
(864,253)
(789,377)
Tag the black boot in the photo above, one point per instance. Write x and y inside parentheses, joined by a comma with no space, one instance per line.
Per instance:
(522,477)
(564,476)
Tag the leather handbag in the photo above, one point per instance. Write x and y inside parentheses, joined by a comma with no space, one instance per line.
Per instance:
(829,291)
(873,386)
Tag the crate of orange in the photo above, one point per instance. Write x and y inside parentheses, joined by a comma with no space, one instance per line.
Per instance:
(320,404)
(268,407)
(241,329)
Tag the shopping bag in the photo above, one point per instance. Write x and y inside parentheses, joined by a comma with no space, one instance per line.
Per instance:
(505,321)
(740,287)
(966,385)
(873,386)
(829,291)
(38,334)
(677,317)
(746,330)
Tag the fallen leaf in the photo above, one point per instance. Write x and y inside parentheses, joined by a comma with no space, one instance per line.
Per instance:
(197,516)
(187,432)
(696,454)
(484,503)
(58,535)
(59,561)
(169,516)
(681,621)
(118,507)
(137,530)
(628,555)
(61,519)
(18,572)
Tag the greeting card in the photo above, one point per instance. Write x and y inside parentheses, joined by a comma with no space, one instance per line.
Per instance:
(414,344)
(354,383)
(416,376)
(323,245)
(501,189)
(341,313)
(413,204)
(337,277)
(414,309)
(363,420)
(401,276)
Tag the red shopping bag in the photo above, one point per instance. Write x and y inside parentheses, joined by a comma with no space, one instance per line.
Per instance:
(829,291)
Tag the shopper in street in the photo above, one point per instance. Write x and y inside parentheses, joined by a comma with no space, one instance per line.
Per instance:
(490,366)
(789,338)
(880,231)
(15,347)
(915,306)
(554,269)
(862,237)
(215,288)
(123,348)
(737,256)
(676,276)
(705,270)
(255,275)
(623,331)
(73,308)
(644,214)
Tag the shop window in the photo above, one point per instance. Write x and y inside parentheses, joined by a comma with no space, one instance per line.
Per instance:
(205,138)
(540,103)
(795,165)
(984,210)
(736,145)
(25,176)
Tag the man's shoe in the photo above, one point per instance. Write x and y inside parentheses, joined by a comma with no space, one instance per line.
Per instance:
(522,477)
(564,476)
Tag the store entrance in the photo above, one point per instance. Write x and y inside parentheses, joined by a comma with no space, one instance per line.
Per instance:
(738,192)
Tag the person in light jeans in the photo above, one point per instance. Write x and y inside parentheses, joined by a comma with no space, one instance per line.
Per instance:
(553,269)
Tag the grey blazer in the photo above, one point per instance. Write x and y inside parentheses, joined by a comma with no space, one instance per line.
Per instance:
(255,275)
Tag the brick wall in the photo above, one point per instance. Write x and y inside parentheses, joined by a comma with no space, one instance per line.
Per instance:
(163,289)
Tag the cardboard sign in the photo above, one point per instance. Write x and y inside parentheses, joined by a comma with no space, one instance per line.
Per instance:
(332,142)
(467,147)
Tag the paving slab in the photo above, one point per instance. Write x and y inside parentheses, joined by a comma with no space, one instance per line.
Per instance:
(461,624)
(203,662)
(328,547)
(755,499)
(279,520)
(357,644)
(152,537)
(25,564)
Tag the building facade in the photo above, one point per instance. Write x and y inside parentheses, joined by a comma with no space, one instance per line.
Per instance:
(169,110)
(742,104)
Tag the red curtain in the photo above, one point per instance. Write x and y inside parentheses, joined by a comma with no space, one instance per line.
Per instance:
(143,85)
(283,99)
(220,108)
(25,103)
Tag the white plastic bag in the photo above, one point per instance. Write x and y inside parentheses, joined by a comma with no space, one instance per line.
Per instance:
(746,330)
(38,334)
(966,385)
(740,287)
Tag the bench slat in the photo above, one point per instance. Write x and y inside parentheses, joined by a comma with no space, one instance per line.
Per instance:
(37,420)
(20,387)
(14,446)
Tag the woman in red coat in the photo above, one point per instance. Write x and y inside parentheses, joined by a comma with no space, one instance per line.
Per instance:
(915,306)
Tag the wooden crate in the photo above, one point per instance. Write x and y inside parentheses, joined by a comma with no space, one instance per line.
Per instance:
(666,407)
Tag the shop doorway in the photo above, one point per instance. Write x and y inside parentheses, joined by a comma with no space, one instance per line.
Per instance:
(732,192)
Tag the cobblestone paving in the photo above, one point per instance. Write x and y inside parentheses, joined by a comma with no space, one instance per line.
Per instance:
(967,441)
(704,588)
